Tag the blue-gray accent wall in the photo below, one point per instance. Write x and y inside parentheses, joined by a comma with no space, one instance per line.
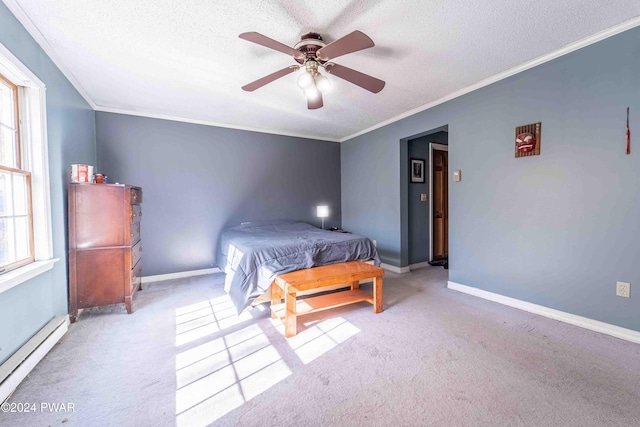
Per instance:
(27,307)
(557,229)
(198,180)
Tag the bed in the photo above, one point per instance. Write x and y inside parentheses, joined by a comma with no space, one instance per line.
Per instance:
(253,254)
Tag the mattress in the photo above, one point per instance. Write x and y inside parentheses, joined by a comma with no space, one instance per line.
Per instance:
(253,254)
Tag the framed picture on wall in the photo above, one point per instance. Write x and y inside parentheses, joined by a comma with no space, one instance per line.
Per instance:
(417,170)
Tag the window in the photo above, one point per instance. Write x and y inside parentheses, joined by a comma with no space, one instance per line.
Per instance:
(16,221)
(26,244)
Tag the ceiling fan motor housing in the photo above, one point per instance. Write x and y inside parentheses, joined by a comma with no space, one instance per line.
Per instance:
(309,44)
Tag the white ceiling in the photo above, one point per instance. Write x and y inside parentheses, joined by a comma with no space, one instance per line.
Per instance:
(183,59)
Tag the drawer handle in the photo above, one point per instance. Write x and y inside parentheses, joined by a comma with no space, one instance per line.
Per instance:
(131,234)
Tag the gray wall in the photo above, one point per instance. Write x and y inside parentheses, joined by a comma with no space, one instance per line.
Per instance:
(371,190)
(199,179)
(418,230)
(71,136)
(557,229)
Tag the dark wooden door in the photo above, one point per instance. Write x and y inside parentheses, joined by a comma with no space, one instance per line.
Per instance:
(440,204)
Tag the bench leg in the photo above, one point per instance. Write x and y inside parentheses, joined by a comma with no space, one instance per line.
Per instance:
(276,298)
(290,320)
(355,285)
(377,295)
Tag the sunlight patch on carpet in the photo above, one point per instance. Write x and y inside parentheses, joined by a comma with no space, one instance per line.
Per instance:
(220,375)
(318,339)
(199,320)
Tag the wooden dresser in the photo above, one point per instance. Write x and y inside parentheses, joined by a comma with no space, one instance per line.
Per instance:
(105,251)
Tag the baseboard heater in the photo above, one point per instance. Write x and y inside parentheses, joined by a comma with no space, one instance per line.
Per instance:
(18,366)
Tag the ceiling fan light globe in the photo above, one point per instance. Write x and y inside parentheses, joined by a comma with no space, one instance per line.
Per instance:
(305,80)
(312,93)
(323,83)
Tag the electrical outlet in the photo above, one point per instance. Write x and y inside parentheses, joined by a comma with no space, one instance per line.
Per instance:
(623,289)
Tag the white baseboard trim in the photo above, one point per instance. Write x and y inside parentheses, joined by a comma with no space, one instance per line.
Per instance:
(419,265)
(180,275)
(583,322)
(17,367)
(405,269)
(394,269)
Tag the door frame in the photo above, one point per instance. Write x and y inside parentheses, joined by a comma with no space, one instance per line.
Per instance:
(440,147)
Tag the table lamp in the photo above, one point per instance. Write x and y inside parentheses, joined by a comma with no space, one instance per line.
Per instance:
(322,212)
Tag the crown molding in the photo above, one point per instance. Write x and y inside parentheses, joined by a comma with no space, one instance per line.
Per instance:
(209,123)
(23,18)
(32,29)
(627,25)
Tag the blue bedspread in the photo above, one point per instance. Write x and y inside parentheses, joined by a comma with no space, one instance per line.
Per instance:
(252,255)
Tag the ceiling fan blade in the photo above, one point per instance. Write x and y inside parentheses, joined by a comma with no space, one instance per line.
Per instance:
(352,42)
(268,79)
(315,103)
(271,44)
(365,81)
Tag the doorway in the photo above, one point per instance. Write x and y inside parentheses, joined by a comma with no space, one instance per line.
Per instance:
(416,226)
(439,202)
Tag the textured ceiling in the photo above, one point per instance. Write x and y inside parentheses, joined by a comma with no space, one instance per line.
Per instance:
(184,60)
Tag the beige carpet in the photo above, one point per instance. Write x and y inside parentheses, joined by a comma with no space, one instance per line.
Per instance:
(434,357)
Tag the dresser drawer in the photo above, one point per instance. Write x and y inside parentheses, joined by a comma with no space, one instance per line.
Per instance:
(136,195)
(136,253)
(134,234)
(136,213)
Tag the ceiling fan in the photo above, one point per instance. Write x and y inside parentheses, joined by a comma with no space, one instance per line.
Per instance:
(313,54)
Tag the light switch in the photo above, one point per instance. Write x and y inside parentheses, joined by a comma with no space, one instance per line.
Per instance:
(423,197)
(457,176)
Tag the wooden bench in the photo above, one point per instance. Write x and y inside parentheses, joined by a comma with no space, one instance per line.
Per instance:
(348,273)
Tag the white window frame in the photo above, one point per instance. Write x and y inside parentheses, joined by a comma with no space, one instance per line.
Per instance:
(33,128)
